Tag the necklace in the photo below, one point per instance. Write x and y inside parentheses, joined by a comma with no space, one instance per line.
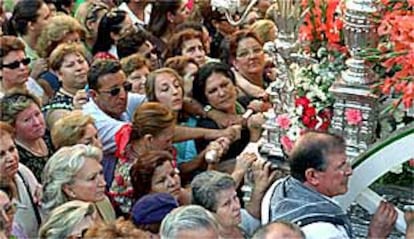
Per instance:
(38,148)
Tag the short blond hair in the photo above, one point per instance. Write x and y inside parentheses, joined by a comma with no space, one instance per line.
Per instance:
(262,28)
(70,129)
(55,31)
(134,62)
(57,56)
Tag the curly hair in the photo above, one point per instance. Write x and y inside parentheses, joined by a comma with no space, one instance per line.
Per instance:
(15,102)
(57,56)
(55,31)
(175,44)
(206,186)
(239,36)
(121,228)
(134,62)
(143,170)
(9,44)
(61,169)
(179,63)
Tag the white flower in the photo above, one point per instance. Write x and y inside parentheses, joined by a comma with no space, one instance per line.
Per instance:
(315,68)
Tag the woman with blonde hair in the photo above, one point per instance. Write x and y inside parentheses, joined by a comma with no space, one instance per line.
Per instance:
(60,29)
(75,173)
(69,220)
(75,128)
(265,29)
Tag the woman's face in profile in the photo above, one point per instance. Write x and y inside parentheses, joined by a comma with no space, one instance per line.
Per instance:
(168,91)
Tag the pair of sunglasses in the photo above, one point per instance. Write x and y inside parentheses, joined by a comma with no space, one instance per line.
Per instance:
(115,91)
(16,64)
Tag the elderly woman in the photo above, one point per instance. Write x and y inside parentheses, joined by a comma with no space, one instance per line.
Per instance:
(59,29)
(21,182)
(69,63)
(75,173)
(216,192)
(137,68)
(187,43)
(75,128)
(69,220)
(190,221)
(214,87)
(22,111)
(155,172)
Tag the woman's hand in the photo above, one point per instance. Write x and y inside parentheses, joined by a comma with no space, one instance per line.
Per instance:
(80,98)
(254,123)
(263,175)
(243,163)
(259,106)
(220,147)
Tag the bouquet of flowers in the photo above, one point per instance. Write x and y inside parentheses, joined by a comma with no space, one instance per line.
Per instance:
(394,55)
(313,102)
(322,38)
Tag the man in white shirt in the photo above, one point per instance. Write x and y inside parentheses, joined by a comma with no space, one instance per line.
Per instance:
(320,171)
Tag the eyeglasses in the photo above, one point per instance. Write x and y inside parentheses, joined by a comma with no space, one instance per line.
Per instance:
(152,52)
(247,52)
(16,64)
(115,91)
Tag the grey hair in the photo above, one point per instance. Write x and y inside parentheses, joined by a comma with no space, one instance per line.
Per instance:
(61,169)
(191,217)
(206,186)
(262,232)
(64,218)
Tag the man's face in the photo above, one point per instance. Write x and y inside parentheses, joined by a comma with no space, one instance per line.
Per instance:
(111,95)
(333,180)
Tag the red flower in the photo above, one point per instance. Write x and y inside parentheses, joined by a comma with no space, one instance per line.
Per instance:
(283,121)
(353,116)
(303,101)
(286,143)
(119,180)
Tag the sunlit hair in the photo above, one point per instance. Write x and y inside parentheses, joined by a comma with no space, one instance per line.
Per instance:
(191,217)
(6,128)
(57,28)
(15,102)
(121,228)
(58,54)
(134,62)
(179,63)
(152,78)
(9,44)
(63,219)
(68,130)
(262,28)
(92,14)
(61,170)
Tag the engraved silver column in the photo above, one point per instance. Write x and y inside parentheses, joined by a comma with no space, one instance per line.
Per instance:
(352,91)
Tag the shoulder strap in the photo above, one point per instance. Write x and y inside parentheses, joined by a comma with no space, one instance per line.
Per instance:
(36,210)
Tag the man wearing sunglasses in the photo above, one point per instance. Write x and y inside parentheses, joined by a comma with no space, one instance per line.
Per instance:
(15,67)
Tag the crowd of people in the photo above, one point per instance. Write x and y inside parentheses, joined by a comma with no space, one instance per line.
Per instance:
(127,119)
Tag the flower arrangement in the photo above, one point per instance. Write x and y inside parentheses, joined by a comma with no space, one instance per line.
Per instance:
(322,38)
(394,55)
(313,102)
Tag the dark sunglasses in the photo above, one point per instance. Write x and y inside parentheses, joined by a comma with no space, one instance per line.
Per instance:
(16,64)
(115,91)
(148,54)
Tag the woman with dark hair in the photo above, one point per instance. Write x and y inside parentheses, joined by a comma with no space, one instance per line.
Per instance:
(112,26)
(214,87)
(155,172)
(164,17)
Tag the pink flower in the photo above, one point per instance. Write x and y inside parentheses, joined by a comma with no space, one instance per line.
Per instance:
(353,116)
(283,121)
(286,143)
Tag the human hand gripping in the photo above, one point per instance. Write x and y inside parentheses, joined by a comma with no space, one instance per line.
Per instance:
(383,221)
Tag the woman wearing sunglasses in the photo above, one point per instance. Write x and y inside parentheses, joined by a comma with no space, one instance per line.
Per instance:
(15,67)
